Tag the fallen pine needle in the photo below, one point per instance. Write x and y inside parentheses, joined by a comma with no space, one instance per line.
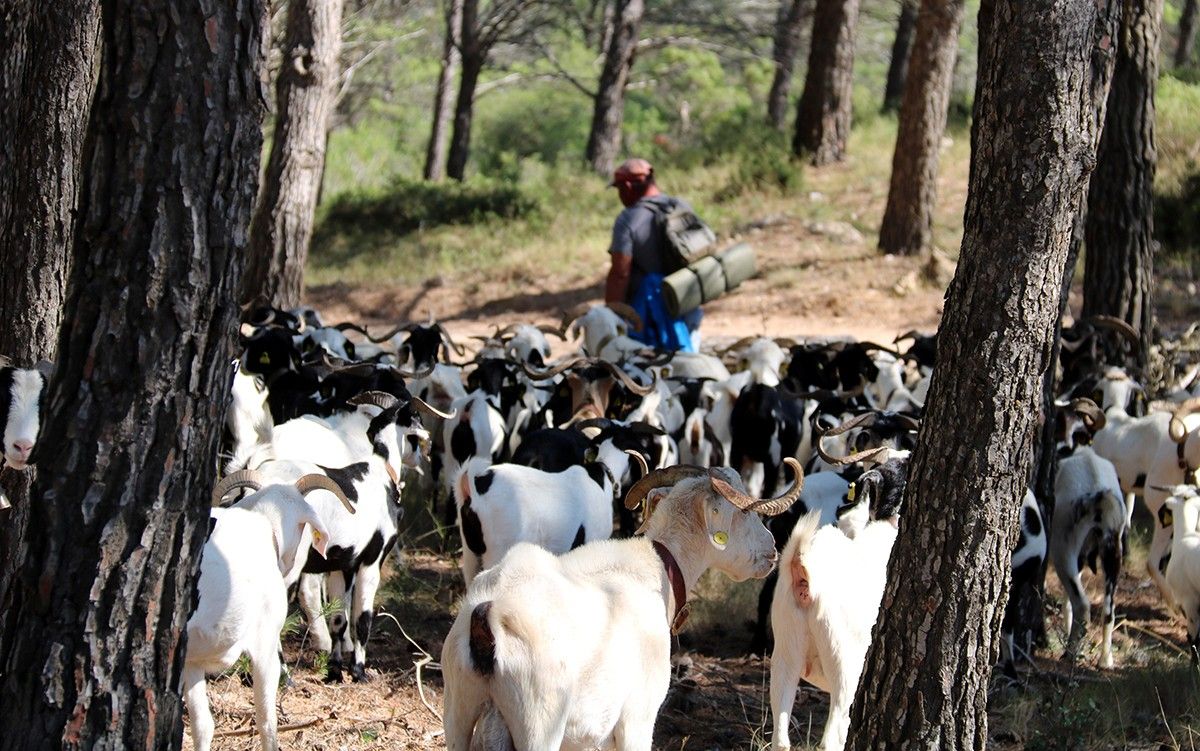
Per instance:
(281,729)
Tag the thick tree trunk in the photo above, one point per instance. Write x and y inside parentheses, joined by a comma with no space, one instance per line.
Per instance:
(788,27)
(907,227)
(1187,33)
(823,115)
(1119,234)
(473,56)
(925,680)
(435,154)
(893,92)
(305,94)
(92,655)
(47,70)
(604,140)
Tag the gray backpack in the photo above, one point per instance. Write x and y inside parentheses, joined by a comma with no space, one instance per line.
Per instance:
(686,238)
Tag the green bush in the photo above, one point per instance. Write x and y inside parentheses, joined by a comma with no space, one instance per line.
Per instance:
(1177,215)
(407,205)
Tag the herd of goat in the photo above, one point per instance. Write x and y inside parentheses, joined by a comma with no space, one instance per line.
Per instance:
(770,458)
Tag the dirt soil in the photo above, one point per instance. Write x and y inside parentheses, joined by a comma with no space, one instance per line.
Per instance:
(814,280)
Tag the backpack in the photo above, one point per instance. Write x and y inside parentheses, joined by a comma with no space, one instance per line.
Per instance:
(685,237)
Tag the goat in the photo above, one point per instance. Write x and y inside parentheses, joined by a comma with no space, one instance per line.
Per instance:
(1028,557)
(1089,520)
(826,602)
(533,640)
(1183,568)
(501,505)
(22,402)
(252,555)
(605,330)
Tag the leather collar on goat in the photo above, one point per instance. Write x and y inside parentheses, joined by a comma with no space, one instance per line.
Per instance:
(392,474)
(678,590)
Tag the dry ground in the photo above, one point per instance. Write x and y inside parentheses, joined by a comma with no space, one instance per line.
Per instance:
(817,278)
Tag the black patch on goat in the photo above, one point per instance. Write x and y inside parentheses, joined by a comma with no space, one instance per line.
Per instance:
(579,538)
(372,551)
(462,442)
(552,449)
(212,525)
(347,476)
(481,641)
(472,529)
(362,629)
(484,481)
(595,471)
(6,397)
(1031,524)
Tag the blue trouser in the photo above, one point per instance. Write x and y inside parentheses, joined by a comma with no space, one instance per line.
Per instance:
(659,328)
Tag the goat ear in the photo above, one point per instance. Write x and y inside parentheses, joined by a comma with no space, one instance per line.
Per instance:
(652,498)
(320,536)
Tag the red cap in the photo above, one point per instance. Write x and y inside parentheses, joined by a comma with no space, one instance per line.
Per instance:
(632,171)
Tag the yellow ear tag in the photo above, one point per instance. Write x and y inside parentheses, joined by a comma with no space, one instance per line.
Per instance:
(1167,517)
(721,538)
(850,491)
(264,359)
(316,536)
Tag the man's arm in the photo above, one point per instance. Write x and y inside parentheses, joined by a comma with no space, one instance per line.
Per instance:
(617,283)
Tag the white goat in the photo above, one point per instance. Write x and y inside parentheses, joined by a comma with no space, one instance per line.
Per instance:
(1183,569)
(21,399)
(254,552)
(1089,521)
(500,505)
(534,638)
(605,330)
(826,602)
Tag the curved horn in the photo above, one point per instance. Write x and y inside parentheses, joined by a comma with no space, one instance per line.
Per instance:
(737,345)
(786,342)
(415,375)
(592,422)
(431,410)
(449,340)
(575,313)
(626,379)
(910,334)
(500,333)
(880,347)
(874,455)
(641,461)
(347,326)
(559,331)
(866,419)
(908,422)
(393,332)
(380,399)
(1116,324)
(1092,415)
(243,478)
(660,478)
(628,313)
(765,506)
(553,370)
(308,483)
(1177,429)
(659,358)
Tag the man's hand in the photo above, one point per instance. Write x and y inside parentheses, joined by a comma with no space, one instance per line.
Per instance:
(617,283)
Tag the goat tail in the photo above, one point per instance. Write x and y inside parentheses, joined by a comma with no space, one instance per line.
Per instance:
(802,535)
(1111,508)
(793,574)
(482,640)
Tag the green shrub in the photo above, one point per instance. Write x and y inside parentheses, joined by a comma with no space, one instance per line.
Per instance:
(406,205)
(1177,215)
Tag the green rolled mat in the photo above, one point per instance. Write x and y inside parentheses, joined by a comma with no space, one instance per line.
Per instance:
(708,279)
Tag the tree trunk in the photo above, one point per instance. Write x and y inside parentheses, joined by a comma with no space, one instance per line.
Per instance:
(907,227)
(925,679)
(435,155)
(464,108)
(788,27)
(604,140)
(897,73)
(1119,233)
(1187,33)
(92,654)
(47,66)
(823,116)
(305,94)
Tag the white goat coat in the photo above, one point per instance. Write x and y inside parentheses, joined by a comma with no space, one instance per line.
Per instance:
(826,642)
(1183,570)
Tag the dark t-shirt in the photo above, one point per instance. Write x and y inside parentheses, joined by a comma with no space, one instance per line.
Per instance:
(634,233)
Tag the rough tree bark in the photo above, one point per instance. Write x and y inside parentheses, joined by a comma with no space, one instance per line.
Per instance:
(926,674)
(435,154)
(1118,261)
(473,55)
(789,25)
(897,74)
(47,79)
(1187,33)
(93,655)
(305,96)
(604,139)
(823,114)
(907,227)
